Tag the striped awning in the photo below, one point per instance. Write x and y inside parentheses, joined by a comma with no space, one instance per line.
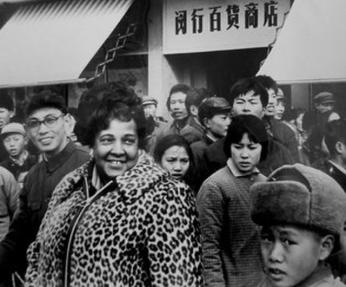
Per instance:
(52,42)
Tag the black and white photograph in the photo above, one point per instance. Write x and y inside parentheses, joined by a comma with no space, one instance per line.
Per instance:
(192,143)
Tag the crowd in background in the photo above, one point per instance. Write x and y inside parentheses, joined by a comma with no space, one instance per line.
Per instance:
(113,194)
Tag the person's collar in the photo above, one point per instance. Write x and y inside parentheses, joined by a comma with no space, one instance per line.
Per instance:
(95,179)
(322,272)
(237,173)
(21,159)
(179,124)
(337,166)
(210,138)
(57,160)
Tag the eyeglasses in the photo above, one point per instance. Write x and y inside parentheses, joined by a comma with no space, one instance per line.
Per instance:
(49,121)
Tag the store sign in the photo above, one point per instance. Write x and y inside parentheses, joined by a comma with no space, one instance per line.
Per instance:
(215,25)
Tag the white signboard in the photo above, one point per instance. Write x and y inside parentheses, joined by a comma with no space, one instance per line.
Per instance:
(216,25)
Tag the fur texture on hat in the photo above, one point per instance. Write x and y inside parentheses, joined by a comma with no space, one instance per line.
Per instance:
(300,195)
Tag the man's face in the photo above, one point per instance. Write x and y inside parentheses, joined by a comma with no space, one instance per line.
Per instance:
(177,106)
(290,254)
(218,124)
(50,136)
(149,111)
(14,144)
(5,116)
(324,107)
(272,103)
(248,104)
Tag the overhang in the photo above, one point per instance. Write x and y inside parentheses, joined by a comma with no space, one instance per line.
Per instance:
(311,46)
(52,42)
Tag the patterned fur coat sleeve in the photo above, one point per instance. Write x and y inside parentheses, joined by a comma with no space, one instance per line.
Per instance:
(142,232)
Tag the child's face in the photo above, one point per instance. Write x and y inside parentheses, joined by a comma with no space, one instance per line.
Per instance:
(14,144)
(290,254)
(246,154)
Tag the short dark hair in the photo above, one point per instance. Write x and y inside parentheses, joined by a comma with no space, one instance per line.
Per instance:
(175,89)
(6,100)
(246,85)
(335,131)
(268,82)
(194,97)
(172,140)
(46,99)
(117,103)
(251,125)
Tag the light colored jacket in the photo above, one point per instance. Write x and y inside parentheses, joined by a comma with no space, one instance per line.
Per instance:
(9,191)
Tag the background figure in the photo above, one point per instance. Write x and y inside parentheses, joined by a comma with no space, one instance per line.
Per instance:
(141,224)
(335,164)
(174,154)
(280,105)
(293,119)
(154,123)
(194,131)
(315,123)
(6,113)
(296,246)
(276,128)
(214,114)
(180,101)
(19,160)
(9,191)
(230,241)
(47,126)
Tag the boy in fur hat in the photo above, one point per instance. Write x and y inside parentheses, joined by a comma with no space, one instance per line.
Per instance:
(302,213)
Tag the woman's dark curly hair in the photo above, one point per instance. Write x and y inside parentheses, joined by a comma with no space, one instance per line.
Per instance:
(121,103)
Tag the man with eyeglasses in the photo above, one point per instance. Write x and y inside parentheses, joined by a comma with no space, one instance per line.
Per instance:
(47,125)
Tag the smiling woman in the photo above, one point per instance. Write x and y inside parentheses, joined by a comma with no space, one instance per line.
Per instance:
(119,219)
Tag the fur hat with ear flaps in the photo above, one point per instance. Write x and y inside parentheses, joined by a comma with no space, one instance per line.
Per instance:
(300,195)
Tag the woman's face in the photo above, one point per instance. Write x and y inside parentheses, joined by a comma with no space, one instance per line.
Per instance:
(116,148)
(176,161)
(246,154)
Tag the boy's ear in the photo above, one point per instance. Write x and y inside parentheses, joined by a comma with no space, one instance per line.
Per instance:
(193,110)
(206,122)
(327,245)
(340,147)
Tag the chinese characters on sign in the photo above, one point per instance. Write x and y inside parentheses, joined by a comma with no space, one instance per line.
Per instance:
(197,21)
(215,25)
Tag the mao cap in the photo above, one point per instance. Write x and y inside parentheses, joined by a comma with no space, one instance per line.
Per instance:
(13,128)
(324,97)
(213,106)
(148,100)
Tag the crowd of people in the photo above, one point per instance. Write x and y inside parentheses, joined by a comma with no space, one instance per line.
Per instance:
(240,190)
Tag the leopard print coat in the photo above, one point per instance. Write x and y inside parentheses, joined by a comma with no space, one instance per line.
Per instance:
(142,232)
